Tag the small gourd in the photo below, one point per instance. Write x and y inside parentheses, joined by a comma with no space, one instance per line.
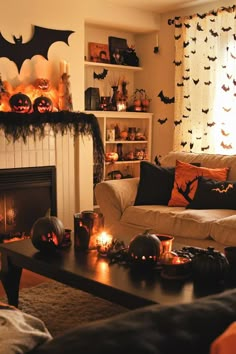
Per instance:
(210,267)
(47,233)
(145,249)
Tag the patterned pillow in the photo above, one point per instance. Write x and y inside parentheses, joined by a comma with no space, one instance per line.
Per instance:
(155,184)
(186,181)
(211,194)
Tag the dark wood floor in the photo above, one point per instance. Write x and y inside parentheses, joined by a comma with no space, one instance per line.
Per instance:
(28,279)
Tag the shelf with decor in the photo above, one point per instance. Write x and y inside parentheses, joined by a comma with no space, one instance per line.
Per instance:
(112,66)
(127,141)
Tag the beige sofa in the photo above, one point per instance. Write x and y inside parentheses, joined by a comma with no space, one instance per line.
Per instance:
(202,228)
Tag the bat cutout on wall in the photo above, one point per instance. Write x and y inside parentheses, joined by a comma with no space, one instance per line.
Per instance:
(162,121)
(177,63)
(183,143)
(39,44)
(165,99)
(100,76)
(205,110)
(178,122)
(227,109)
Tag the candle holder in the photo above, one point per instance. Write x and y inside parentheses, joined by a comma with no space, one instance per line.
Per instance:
(104,243)
(175,267)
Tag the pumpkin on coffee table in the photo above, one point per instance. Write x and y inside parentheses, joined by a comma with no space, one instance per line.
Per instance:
(47,233)
(145,249)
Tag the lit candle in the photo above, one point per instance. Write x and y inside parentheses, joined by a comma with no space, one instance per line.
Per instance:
(64,67)
(104,241)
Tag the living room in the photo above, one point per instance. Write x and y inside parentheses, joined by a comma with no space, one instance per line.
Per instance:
(74,161)
(145,29)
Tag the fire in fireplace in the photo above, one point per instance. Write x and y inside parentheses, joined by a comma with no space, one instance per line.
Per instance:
(25,195)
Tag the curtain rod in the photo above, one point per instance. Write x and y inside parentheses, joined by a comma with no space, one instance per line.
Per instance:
(213,12)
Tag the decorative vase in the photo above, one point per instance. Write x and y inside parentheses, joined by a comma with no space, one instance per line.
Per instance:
(114,98)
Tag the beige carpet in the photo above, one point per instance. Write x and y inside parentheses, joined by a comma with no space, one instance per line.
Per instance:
(62,307)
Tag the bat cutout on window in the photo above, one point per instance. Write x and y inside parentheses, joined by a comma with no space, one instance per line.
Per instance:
(39,44)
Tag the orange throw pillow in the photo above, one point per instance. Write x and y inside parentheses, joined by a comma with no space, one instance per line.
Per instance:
(186,181)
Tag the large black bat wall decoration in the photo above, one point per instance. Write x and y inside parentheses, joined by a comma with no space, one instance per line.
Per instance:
(39,44)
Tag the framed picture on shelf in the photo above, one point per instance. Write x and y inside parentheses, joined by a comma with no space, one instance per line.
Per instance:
(117,47)
(99,52)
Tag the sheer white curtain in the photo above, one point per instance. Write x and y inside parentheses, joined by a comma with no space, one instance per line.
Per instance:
(205,82)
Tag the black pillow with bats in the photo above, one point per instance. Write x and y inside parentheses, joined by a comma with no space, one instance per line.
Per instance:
(212,194)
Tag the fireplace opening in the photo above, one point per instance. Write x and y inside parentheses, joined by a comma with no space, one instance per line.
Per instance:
(25,195)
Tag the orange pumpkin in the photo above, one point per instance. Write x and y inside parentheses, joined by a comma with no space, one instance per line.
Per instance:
(111,156)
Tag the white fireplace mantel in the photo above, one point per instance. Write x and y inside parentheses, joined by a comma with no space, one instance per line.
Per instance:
(73,158)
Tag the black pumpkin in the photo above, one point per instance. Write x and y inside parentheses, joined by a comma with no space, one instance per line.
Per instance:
(210,267)
(20,103)
(145,249)
(42,104)
(47,233)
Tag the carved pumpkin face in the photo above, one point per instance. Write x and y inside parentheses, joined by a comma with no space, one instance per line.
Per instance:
(145,249)
(20,103)
(47,233)
(42,104)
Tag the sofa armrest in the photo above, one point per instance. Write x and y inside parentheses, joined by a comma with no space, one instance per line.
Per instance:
(114,196)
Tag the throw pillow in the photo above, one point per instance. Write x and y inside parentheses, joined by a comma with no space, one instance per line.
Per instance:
(20,332)
(186,181)
(211,194)
(155,184)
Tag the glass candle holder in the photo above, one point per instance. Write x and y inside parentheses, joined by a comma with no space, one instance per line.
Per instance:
(104,242)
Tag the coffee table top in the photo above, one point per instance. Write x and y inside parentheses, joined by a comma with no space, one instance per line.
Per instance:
(92,273)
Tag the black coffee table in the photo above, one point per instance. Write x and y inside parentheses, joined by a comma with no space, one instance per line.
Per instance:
(91,273)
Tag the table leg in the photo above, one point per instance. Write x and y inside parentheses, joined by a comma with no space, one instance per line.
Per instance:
(10,277)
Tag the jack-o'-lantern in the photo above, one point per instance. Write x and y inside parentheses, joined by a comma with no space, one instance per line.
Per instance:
(209,267)
(42,104)
(20,103)
(47,233)
(145,249)
(111,156)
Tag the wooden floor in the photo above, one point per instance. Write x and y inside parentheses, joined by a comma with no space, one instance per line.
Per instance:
(28,279)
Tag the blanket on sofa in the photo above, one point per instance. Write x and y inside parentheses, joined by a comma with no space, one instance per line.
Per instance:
(184,328)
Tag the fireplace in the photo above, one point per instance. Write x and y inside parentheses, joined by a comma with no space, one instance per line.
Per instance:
(25,195)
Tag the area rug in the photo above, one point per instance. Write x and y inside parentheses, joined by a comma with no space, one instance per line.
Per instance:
(62,307)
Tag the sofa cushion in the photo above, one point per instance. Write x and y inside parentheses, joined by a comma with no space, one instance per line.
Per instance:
(155,184)
(211,194)
(224,230)
(175,221)
(186,181)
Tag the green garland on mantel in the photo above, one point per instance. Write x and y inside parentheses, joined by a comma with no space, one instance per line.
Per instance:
(18,126)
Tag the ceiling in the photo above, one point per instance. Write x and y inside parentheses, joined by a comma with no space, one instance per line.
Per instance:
(160,6)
